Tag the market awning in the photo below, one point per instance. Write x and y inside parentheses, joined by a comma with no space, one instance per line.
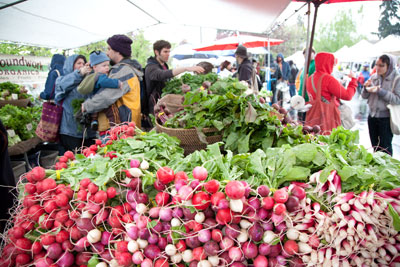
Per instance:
(73,23)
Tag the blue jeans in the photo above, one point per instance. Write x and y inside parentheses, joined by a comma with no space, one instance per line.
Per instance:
(292,89)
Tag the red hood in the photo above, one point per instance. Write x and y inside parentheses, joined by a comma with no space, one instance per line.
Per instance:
(324,62)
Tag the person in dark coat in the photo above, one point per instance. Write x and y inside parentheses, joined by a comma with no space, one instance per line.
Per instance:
(245,69)
(292,78)
(56,70)
(157,73)
(7,181)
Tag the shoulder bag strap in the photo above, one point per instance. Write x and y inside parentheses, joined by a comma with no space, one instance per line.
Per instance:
(54,86)
(318,89)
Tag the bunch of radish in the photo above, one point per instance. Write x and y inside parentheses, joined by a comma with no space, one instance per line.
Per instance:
(63,161)
(121,132)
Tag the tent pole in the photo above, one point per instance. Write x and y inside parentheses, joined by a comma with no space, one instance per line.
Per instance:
(316,5)
(12,4)
(306,64)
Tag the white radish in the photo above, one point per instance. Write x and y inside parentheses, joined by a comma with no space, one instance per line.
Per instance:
(214,260)
(200,217)
(292,234)
(175,222)
(141,208)
(173,192)
(102,264)
(204,263)
(243,236)
(113,263)
(86,214)
(245,224)
(303,237)
(236,205)
(177,258)
(187,256)
(345,207)
(94,236)
(170,250)
(135,172)
(144,165)
(269,236)
(142,243)
(133,246)
(304,247)
(314,257)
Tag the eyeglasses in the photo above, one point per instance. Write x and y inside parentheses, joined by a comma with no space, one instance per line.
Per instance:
(97,52)
(381,65)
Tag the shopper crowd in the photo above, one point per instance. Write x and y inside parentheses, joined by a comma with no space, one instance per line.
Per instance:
(128,92)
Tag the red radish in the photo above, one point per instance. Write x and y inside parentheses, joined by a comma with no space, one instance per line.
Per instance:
(30,188)
(181,175)
(263,190)
(48,184)
(201,200)
(313,241)
(93,148)
(292,204)
(161,263)
(211,186)
(162,198)
(260,261)
(62,216)
(216,235)
(85,183)
(298,192)
(291,247)
(181,246)
(235,190)
(23,244)
(122,246)
(224,216)
(279,208)
(199,254)
(62,236)
(200,173)
(268,203)
(49,206)
(185,193)
(61,200)
(38,173)
(216,197)
(111,192)
(93,188)
(100,197)
(63,159)
(22,259)
(69,154)
(165,175)
(281,195)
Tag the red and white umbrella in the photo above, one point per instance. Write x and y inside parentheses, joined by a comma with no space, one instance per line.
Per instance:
(232,42)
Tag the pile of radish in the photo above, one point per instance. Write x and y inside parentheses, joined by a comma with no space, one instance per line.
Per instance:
(193,219)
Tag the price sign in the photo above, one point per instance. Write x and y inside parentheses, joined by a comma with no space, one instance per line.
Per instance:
(11,133)
(29,126)
(14,96)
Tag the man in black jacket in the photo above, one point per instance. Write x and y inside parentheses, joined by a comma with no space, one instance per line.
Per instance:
(245,69)
(157,72)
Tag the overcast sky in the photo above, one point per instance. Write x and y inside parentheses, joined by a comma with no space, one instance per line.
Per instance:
(368,22)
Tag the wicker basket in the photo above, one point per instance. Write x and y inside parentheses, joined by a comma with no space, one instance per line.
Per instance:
(173,102)
(189,138)
(19,102)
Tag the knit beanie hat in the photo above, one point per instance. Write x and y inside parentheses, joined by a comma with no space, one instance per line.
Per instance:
(97,57)
(121,43)
(241,51)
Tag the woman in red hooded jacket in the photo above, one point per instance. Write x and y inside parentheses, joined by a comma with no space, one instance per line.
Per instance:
(326,113)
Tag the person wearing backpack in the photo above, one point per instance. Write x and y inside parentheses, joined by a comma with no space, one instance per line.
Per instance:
(382,88)
(127,100)
(56,70)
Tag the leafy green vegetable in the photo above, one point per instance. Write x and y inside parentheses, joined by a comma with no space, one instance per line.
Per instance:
(395,216)
(174,86)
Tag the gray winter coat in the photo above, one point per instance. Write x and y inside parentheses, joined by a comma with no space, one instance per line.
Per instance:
(389,92)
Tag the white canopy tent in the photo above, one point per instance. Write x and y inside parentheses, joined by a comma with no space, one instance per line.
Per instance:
(391,45)
(69,24)
(360,52)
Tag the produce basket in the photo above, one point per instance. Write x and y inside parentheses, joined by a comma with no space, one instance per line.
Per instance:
(47,158)
(189,138)
(19,168)
(172,101)
(19,102)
